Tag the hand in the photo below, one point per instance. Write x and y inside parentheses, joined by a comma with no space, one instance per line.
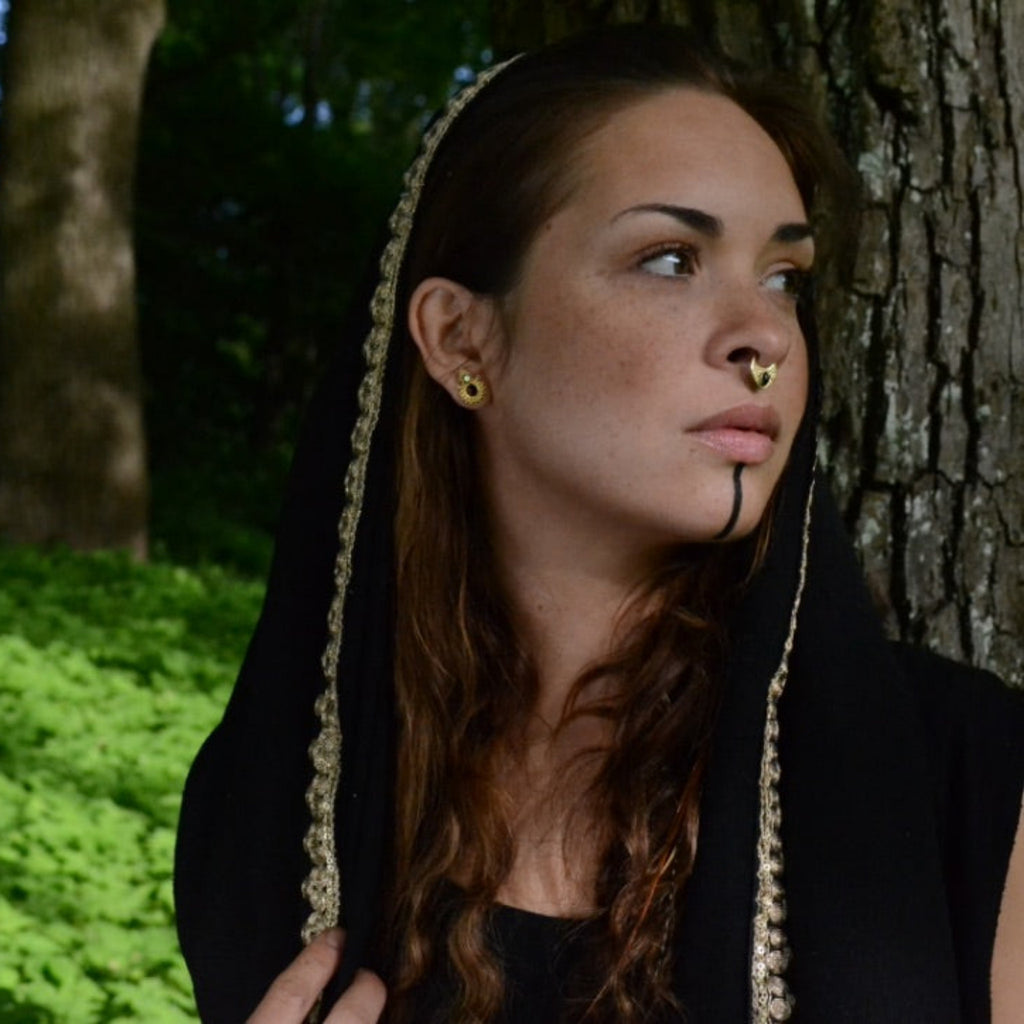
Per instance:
(296,989)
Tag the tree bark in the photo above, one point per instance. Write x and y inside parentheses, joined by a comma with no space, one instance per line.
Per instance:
(924,350)
(72,449)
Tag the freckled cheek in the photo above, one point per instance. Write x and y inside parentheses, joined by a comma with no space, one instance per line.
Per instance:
(626,344)
(619,369)
(583,353)
(587,342)
(656,356)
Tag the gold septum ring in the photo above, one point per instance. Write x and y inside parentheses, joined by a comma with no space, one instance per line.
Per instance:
(763,376)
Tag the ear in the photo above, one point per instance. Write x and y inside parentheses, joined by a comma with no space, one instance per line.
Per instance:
(454,329)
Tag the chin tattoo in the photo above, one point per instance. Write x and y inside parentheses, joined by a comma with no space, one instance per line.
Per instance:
(737,503)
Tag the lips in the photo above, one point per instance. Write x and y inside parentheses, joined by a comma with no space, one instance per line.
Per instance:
(745,433)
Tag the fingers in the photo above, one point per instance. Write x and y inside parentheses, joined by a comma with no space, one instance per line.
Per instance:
(293,993)
(296,989)
(361,1003)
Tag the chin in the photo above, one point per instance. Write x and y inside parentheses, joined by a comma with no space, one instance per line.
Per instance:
(748,522)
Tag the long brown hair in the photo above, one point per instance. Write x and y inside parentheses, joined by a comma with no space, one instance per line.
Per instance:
(465,683)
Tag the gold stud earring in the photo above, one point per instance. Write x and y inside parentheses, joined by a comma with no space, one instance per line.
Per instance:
(763,376)
(473,390)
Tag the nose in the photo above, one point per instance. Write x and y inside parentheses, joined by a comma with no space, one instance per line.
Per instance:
(752,325)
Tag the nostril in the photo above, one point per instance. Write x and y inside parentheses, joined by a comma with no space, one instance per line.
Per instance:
(742,355)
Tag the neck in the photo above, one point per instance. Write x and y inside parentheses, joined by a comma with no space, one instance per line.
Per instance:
(569,607)
(568,623)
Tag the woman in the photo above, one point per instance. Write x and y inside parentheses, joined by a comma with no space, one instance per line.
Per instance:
(598,651)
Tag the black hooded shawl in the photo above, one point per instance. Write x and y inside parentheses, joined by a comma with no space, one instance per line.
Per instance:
(901,773)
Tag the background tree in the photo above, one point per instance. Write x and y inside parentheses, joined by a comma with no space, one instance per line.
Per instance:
(72,451)
(273,138)
(925,345)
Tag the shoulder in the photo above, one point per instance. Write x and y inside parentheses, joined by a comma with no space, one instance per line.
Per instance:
(926,667)
(973,730)
(973,726)
(960,705)
(1007,978)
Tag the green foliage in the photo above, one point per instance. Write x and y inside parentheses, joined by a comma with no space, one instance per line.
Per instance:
(111,674)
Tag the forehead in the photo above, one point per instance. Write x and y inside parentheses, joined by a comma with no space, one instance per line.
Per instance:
(684,144)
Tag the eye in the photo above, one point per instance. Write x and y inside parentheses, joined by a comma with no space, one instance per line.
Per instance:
(671,261)
(792,281)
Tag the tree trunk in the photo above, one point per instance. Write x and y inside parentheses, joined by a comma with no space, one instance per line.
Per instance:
(924,351)
(72,449)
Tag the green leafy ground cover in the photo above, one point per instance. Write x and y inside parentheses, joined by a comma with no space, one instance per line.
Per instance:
(111,674)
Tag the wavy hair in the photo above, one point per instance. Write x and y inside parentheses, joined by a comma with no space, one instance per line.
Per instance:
(465,683)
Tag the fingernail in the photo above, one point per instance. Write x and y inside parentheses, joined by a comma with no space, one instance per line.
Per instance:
(334,937)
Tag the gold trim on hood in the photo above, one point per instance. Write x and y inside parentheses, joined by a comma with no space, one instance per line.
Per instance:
(770,997)
(322,886)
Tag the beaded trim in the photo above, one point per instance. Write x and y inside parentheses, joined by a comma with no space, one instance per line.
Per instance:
(322,886)
(771,999)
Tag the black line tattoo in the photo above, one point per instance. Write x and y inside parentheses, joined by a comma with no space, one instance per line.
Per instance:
(737,503)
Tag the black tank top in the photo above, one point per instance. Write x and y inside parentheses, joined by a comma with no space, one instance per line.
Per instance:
(544,960)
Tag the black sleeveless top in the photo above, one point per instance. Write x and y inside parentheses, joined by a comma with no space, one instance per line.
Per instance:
(544,960)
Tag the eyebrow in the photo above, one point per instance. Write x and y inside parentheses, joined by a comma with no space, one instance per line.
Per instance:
(711,226)
(796,232)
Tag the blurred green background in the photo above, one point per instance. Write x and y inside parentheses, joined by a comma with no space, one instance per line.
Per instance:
(111,673)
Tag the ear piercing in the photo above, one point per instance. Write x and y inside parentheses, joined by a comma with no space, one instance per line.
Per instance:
(763,376)
(473,390)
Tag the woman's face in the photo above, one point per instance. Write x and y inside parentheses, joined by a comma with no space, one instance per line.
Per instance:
(623,408)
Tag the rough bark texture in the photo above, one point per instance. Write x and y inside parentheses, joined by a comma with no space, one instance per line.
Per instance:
(925,348)
(72,452)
